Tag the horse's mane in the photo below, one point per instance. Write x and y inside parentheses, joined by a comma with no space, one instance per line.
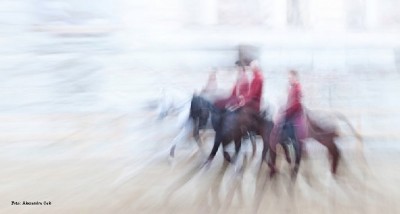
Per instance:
(206,104)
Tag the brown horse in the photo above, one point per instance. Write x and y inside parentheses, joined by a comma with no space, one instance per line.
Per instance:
(324,133)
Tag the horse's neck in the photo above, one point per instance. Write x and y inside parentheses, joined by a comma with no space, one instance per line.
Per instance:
(214,111)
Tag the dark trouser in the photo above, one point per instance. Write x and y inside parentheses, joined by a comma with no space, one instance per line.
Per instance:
(289,132)
(288,129)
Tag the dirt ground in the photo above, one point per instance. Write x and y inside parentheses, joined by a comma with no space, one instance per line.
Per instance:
(89,181)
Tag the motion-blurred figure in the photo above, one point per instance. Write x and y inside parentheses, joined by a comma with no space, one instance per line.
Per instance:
(210,89)
(212,84)
(297,124)
(290,123)
(294,114)
(239,91)
(254,95)
(186,123)
(172,100)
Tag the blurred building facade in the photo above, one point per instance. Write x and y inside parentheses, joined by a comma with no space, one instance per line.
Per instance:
(269,14)
(206,25)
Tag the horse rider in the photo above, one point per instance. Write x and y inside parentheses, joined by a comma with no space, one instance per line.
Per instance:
(210,90)
(293,115)
(211,85)
(291,121)
(239,91)
(253,97)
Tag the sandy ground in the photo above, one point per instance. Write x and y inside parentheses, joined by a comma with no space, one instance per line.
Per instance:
(153,183)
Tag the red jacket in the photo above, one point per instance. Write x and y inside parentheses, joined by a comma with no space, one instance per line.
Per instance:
(255,91)
(294,101)
(241,87)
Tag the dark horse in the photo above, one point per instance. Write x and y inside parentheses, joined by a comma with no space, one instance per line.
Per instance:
(231,126)
(205,115)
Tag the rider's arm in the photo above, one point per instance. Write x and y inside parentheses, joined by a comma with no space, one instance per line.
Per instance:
(233,94)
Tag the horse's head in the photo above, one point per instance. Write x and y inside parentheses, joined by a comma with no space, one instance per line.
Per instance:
(198,113)
(196,106)
(170,100)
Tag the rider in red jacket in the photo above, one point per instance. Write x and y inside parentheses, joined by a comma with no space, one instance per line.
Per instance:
(240,89)
(292,120)
(294,106)
(253,97)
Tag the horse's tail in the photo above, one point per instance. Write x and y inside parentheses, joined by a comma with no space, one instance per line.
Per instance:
(344,119)
(359,137)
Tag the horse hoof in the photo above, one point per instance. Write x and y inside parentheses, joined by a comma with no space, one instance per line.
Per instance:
(295,172)
(206,165)
(239,170)
(233,160)
(272,173)
(334,171)
(294,176)
(172,152)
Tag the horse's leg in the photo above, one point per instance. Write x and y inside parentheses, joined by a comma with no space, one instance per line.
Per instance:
(287,152)
(272,160)
(264,152)
(199,143)
(269,144)
(266,145)
(298,150)
(329,143)
(238,143)
(217,142)
(161,111)
(182,134)
(175,142)
(252,137)
(335,154)
(292,134)
(196,130)
(227,157)
(226,154)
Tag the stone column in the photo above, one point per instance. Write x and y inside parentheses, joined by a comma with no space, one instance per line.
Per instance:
(355,14)
(209,15)
(273,13)
(200,12)
(294,13)
(279,14)
(371,14)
